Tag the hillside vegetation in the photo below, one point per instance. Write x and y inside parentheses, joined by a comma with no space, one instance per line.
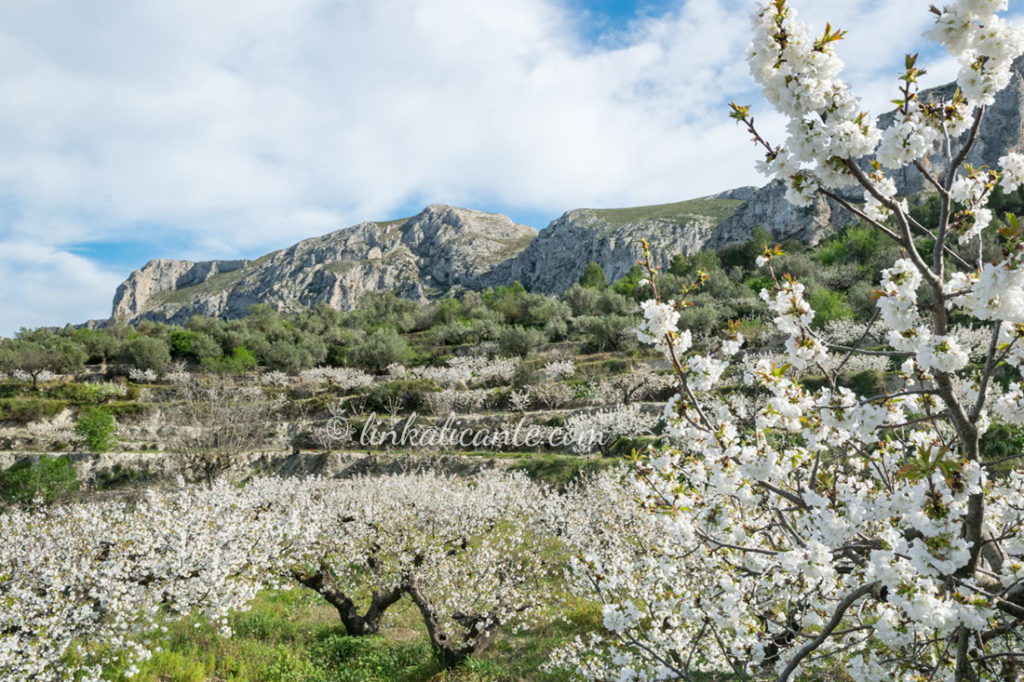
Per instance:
(266,393)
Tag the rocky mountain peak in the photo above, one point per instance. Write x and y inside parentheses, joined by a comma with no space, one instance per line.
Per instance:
(443,250)
(440,249)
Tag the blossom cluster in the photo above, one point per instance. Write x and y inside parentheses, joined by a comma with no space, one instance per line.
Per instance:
(142,376)
(345,378)
(799,74)
(795,531)
(462,371)
(100,574)
(87,578)
(602,427)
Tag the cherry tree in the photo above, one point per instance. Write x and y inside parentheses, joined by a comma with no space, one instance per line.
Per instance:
(808,531)
(82,584)
(601,428)
(101,574)
(466,551)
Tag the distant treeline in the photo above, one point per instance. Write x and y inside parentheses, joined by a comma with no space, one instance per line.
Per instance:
(840,274)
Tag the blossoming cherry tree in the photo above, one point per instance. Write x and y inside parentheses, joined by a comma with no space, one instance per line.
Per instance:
(814,531)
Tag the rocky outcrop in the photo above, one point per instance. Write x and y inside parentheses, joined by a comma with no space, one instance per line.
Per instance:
(163,275)
(554,261)
(439,250)
(769,209)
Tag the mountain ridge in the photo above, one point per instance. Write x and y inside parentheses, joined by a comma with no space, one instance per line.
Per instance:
(445,250)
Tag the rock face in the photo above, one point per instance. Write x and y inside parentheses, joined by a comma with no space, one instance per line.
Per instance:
(554,261)
(439,250)
(768,208)
(162,275)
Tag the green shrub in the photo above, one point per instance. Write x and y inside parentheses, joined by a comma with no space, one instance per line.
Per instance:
(96,427)
(593,277)
(865,384)
(382,348)
(127,408)
(868,383)
(520,341)
(745,254)
(119,476)
(25,410)
(146,352)
(844,276)
(829,306)
(193,345)
(831,252)
(1004,444)
(861,297)
(759,282)
(687,268)
(607,332)
(239,362)
(581,300)
(862,243)
(627,285)
(39,350)
(42,476)
(406,395)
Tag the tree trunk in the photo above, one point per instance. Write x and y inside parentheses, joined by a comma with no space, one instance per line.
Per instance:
(450,654)
(356,624)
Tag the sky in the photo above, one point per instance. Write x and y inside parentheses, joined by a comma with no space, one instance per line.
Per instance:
(198,130)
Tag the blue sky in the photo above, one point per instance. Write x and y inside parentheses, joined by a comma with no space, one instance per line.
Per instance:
(191,129)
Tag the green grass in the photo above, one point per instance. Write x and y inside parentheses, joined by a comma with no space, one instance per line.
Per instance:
(511,247)
(50,478)
(392,223)
(560,470)
(340,267)
(219,282)
(681,211)
(25,410)
(294,636)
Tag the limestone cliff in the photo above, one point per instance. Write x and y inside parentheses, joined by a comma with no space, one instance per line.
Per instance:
(554,261)
(439,250)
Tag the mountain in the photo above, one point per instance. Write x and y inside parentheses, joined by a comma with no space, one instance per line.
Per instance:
(554,261)
(444,250)
(441,250)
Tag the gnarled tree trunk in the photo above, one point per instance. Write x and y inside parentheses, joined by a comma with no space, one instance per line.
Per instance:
(355,623)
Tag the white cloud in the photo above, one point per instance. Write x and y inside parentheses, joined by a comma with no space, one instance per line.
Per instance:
(44,286)
(250,125)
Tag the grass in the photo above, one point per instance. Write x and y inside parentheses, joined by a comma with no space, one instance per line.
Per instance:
(392,223)
(293,635)
(340,267)
(679,212)
(510,247)
(219,282)
(25,410)
(560,470)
